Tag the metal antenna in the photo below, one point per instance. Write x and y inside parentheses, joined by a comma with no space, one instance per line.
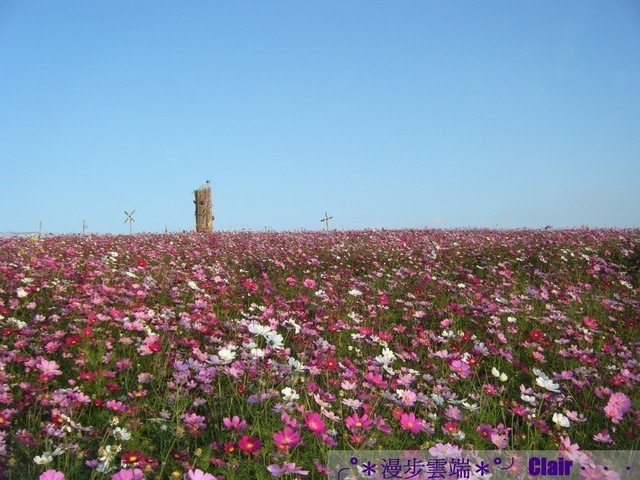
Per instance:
(129,219)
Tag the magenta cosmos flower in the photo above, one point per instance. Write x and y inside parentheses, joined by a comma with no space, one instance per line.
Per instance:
(249,444)
(315,423)
(287,438)
(409,421)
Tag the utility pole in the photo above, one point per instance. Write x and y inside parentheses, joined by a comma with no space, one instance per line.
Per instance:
(204,208)
(84,226)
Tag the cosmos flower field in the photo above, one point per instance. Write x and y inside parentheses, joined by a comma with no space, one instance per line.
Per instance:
(250,355)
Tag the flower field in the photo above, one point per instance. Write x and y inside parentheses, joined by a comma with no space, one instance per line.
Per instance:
(250,355)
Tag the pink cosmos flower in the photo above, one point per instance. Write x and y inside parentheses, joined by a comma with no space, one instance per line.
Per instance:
(376,379)
(328,440)
(5,417)
(452,412)
(406,397)
(618,405)
(115,405)
(462,369)
(382,425)
(149,345)
(409,421)
(598,472)
(51,475)
(198,474)
(485,431)
(315,423)
(49,368)
(309,283)
(500,440)
(572,452)
(125,474)
(234,423)
(603,437)
(354,421)
(194,423)
(250,285)
(292,468)
(288,421)
(446,450)
(590,322)
(287,438)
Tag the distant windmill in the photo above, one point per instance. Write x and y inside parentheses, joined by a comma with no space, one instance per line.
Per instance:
(326,220)
(129,219)
(84,226)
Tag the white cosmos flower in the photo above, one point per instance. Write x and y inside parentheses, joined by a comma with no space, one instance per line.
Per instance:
(347,385)
(352,403)
(122,433)
(275,340)
(296,364)
(355,292)
(289,394)
(21,292)
(258,329)
(18,323)
(193,285)
(473,407)
(295,326)
(540,373)
(43,459)
(528,398)
(548,384)
(227,354)
(502,376)
(560,419)
(258,352)
(386,358)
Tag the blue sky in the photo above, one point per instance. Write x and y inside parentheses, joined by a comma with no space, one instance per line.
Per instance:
(394,114)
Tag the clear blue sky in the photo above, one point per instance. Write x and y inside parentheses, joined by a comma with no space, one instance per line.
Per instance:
(395,114)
